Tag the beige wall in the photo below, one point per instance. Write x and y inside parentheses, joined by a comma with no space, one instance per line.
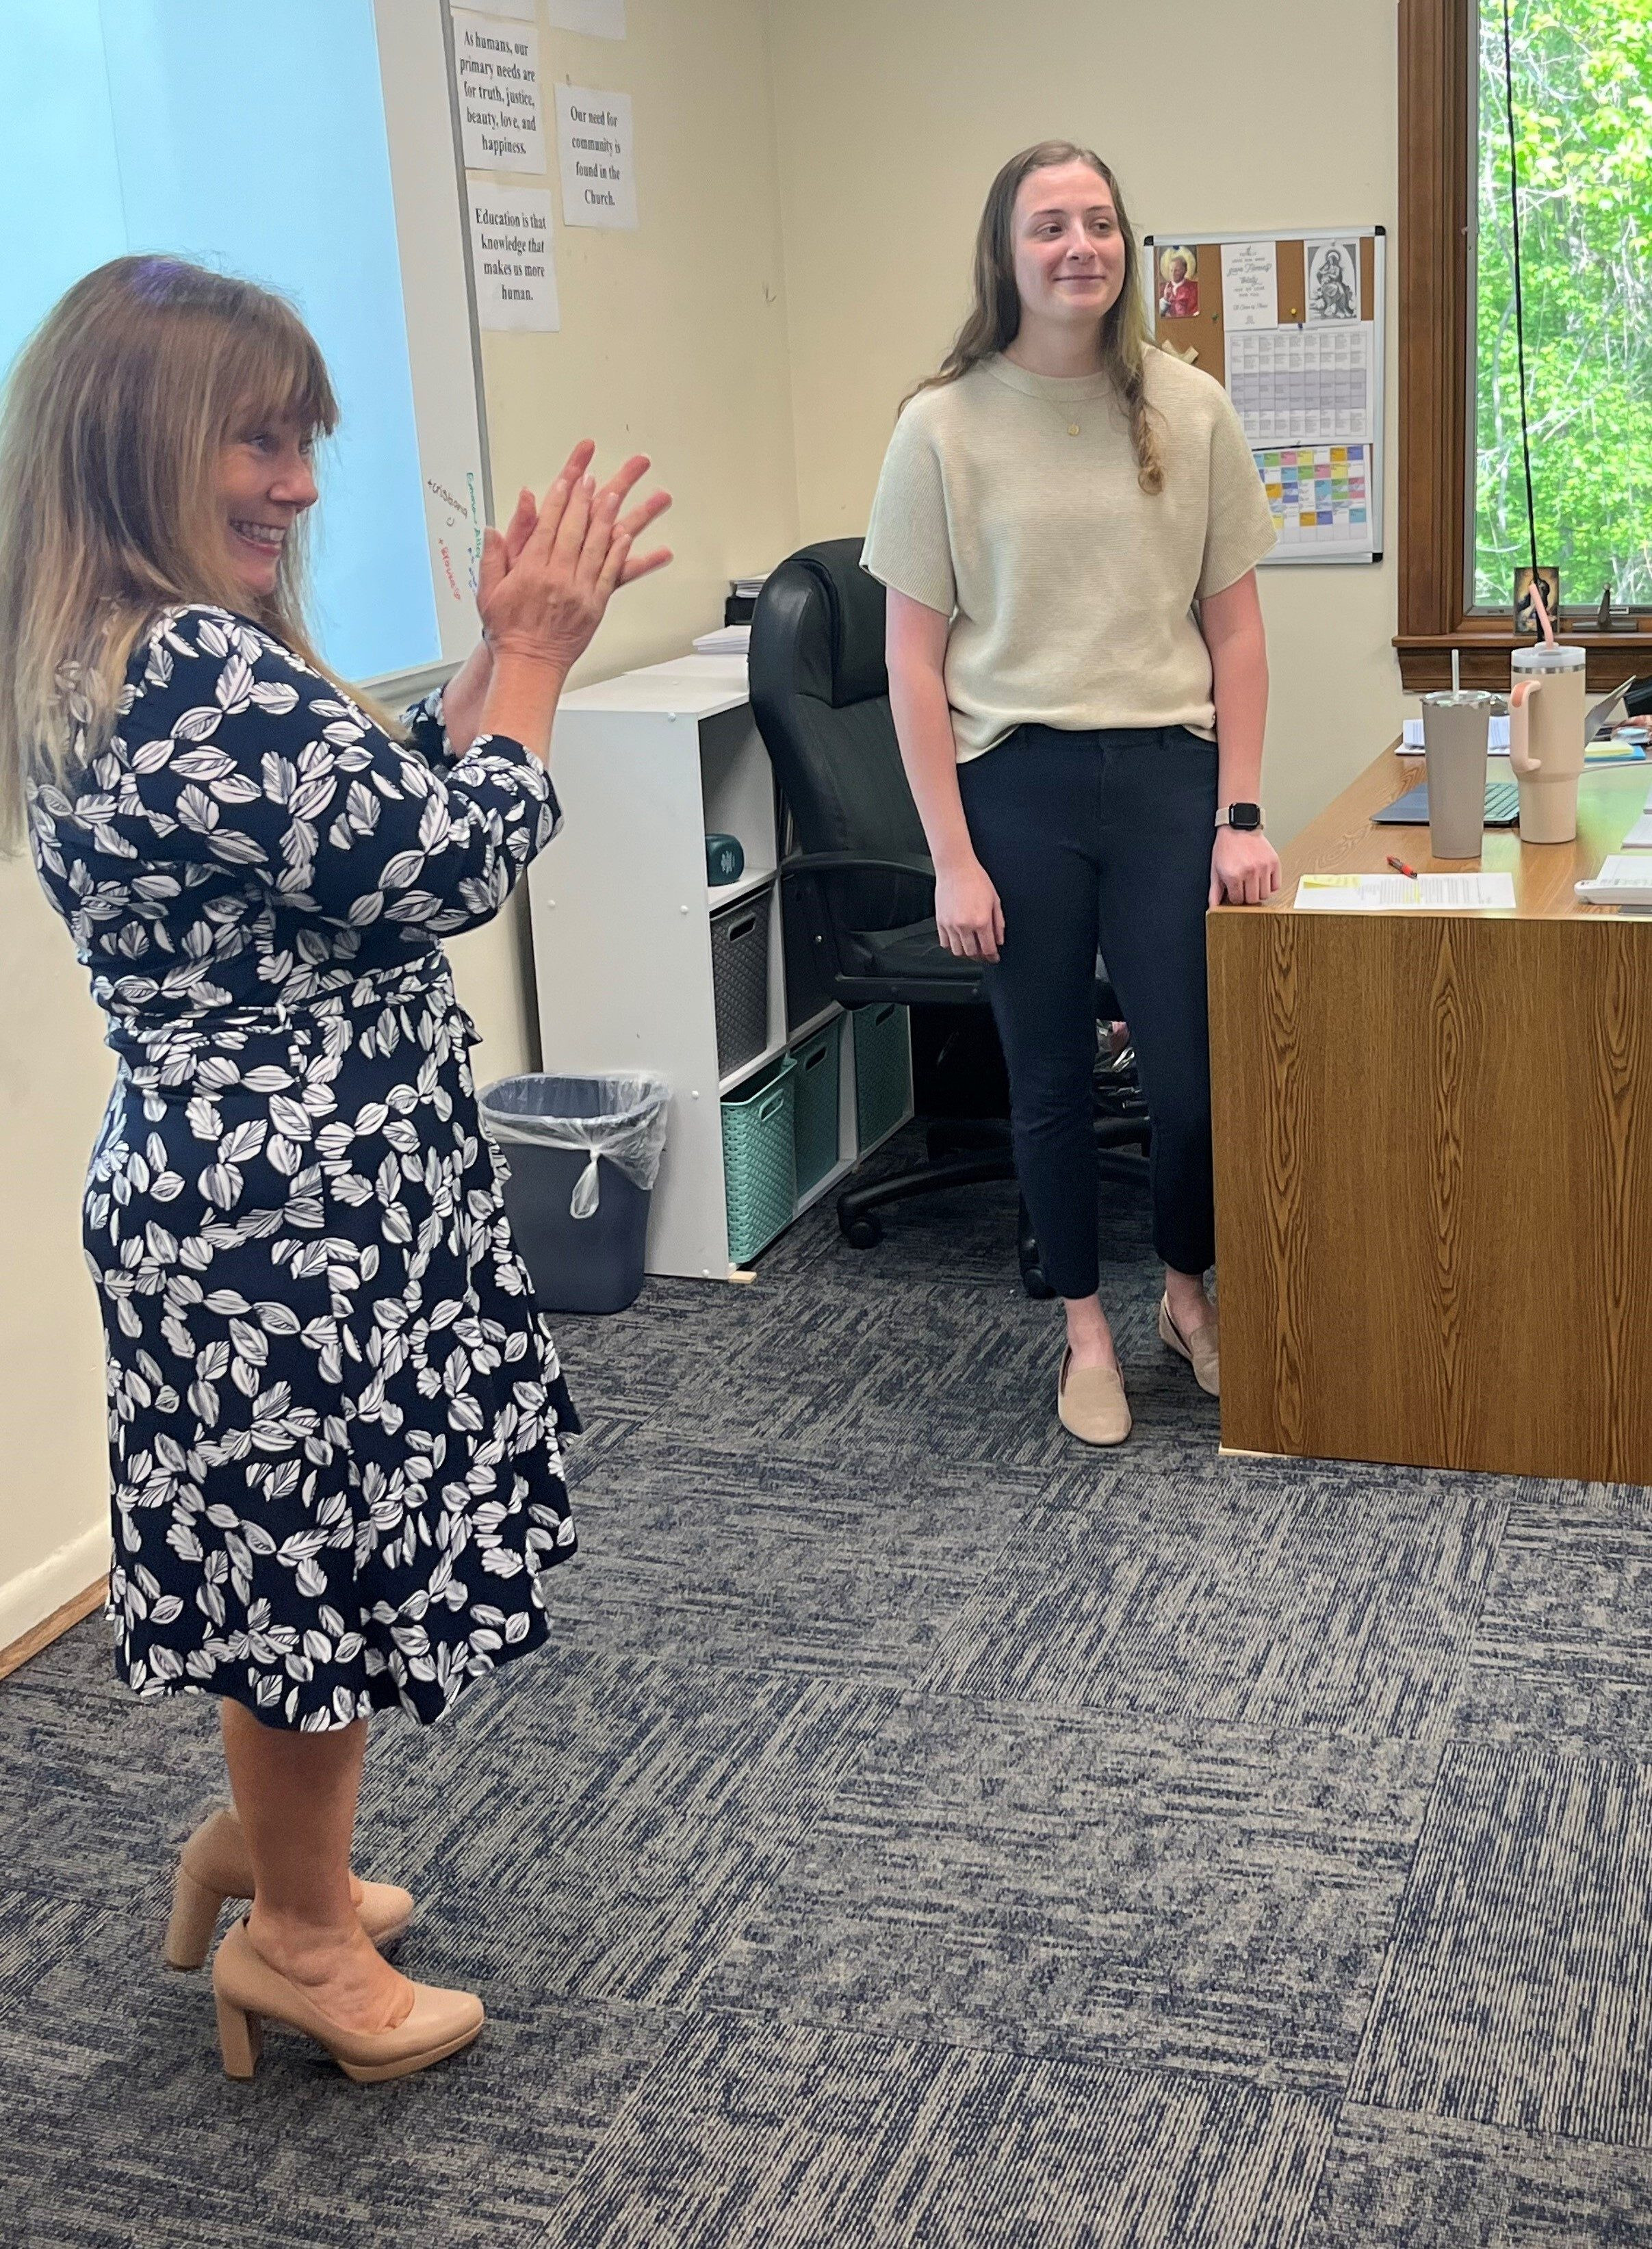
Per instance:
(673,342)
(55,1074)
(894,114)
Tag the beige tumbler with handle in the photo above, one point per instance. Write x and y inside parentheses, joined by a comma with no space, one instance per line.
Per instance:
(1545,739)
(1455,732)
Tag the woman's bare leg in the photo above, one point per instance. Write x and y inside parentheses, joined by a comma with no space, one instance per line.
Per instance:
(1190,1307)
(296,1795)
(1089,1336)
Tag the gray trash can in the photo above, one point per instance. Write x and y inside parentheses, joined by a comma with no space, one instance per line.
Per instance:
(583,1155)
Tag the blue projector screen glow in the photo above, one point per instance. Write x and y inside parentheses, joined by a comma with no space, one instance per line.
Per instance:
(251,138)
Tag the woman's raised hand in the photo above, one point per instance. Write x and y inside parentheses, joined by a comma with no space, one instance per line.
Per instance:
(547,579)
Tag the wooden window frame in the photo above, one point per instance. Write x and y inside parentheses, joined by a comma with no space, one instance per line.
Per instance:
(1438,70)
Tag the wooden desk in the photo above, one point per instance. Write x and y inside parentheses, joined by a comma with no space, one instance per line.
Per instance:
(1433,1159)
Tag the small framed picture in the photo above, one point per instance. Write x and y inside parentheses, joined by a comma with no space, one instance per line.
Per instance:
(1527,619)
(1334,281)
(1179,282)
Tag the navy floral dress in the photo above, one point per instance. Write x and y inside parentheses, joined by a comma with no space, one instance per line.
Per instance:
(333,1407)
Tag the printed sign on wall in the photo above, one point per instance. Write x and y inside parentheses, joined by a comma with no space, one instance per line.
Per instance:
(497,63)
(599,172)
(511,257)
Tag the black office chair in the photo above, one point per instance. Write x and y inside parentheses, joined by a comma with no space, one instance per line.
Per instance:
(859,895)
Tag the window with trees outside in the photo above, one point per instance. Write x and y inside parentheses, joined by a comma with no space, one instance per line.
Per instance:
(1581,147)
(1582,143)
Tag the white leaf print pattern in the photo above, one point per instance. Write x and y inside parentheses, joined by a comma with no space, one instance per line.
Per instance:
(334,1409)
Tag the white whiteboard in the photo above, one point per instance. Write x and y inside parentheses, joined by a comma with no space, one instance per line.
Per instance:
(426,181)
(132,140)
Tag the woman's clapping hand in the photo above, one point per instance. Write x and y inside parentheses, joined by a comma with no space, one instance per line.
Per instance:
(466,694)
(547,577)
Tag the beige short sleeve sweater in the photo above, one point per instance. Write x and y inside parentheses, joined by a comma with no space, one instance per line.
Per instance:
(1071,590)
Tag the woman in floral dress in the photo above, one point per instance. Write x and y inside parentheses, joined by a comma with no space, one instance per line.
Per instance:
(333,1407)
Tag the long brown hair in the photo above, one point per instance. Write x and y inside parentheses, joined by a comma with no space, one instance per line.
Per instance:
(114,421)
(994,318)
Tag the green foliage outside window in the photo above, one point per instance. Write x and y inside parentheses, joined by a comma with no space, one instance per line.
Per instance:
(1583,127)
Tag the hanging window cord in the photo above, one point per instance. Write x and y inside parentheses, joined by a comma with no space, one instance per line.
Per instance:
(1520,302)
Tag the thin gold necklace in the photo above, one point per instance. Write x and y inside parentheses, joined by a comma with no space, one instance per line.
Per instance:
(1061,413)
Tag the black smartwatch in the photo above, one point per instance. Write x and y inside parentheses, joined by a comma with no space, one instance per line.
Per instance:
(1240,815)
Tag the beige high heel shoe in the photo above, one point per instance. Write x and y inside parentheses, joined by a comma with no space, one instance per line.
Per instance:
(215,1865)
(249,1993)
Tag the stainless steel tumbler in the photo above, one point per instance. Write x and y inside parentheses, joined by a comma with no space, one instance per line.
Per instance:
(1455,728)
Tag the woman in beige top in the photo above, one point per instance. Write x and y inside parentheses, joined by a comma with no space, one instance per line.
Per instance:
(1068,523)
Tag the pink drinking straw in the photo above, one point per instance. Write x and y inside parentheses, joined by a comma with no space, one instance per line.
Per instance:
(1541,608)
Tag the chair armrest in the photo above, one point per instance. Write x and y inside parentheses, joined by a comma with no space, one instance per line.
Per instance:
(841,892)
(844,863)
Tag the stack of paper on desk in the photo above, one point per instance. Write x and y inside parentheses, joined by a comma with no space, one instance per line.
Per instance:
(1386,893)
(1625,879)
(727,640)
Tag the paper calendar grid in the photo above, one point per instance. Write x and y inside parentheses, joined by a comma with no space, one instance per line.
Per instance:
(1320,495)
(1302,386)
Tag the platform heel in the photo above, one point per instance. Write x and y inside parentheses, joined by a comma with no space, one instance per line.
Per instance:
(249,1993)
(240,2037)
(196,1907)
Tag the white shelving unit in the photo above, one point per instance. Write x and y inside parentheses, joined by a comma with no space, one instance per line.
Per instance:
(646,766)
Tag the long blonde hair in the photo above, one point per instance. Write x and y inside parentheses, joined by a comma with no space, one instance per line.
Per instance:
(994,320)
(114,421)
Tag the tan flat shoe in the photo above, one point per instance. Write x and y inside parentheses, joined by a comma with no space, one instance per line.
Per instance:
(1092,1403)
(1201,1349)
(250,1993)
(214,1865)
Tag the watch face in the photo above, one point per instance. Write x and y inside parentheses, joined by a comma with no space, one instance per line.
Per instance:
(1245,815)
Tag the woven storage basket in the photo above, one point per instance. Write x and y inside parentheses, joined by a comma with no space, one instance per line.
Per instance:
(739,980)
(883,1069)
(759,1160)
(817,1067)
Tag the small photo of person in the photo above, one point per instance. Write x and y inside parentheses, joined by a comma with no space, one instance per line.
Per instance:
(1527,619)
(1179,283)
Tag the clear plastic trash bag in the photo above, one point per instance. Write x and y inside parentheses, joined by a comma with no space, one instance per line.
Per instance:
(622,1118)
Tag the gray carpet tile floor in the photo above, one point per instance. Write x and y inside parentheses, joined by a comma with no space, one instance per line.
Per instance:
(921,1834)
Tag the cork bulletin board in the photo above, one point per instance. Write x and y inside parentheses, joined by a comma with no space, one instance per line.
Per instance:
(1292,325)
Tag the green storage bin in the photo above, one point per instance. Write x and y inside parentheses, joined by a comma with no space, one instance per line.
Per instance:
(759,1160)
(883,1069)
(815,1062)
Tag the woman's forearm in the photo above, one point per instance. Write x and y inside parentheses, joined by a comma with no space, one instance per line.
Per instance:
(464,697)
(924,729)
(1232,622)
(521,701)
(1240,672)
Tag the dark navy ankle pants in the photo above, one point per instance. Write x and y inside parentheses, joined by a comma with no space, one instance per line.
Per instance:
(1101,840)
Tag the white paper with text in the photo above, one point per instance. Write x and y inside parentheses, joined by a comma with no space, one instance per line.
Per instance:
(599,170)
(501,120)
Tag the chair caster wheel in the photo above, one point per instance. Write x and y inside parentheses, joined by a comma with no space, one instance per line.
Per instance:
(864,1233)
(1034,1283)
